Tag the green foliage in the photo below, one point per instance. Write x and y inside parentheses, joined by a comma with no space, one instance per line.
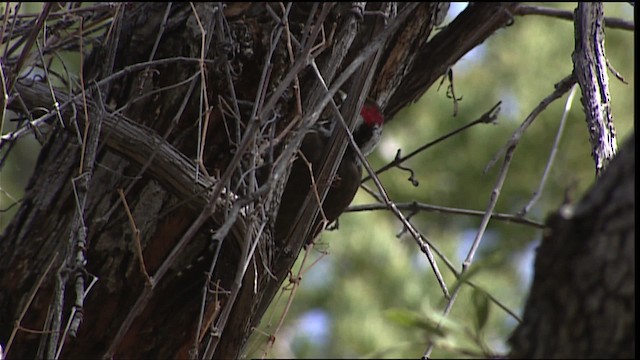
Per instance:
(482,309)
(377,291)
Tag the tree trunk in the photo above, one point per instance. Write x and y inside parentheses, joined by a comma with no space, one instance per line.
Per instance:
(146,229)
(582,301)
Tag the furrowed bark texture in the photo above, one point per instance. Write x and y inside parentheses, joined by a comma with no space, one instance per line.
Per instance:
(582,301)
(198,132)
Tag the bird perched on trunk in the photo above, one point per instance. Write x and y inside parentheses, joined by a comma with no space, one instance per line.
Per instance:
(344,185)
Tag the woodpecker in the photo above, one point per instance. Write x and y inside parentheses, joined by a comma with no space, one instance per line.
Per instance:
(344,185)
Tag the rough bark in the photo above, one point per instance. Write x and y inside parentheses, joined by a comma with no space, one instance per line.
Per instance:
(582,300)
(590,68)
(171,116)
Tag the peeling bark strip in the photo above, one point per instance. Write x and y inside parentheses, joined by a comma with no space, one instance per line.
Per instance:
(590,68)
(582,300)
(203,108)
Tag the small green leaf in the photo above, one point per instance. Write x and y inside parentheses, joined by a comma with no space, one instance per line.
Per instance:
(413,319)
(481,304)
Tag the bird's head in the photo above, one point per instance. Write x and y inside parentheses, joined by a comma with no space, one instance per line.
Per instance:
(369,127)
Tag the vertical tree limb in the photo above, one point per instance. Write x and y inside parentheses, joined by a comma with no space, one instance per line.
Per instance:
(590,68)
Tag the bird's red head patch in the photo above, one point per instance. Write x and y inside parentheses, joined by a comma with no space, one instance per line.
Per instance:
(371,114)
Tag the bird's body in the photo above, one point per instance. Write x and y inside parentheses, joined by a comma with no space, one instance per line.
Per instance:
(343,186)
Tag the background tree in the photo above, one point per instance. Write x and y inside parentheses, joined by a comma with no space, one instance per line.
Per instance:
(163,117)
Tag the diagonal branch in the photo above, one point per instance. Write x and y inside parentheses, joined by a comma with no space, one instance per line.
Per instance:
(134,142)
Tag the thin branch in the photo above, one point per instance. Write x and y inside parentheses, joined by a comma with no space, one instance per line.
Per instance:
(56,104)
(552,155)
(5,22)
(610,22)
(136,236)
(91,10)
(5,98)
(494,300)
(424,241)
(46,8)
(43,120)
(616,73)
(487,118)
(32,295)
(295,282)
(16,10)
(448,263)
(203,119)
(202,324)
(416,206)
(560,89)
(163,26)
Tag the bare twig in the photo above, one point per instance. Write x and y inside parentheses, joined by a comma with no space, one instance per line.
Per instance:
(163,26)
(86,112)
(32,295)
(560,89)
(144,297)
(487,118)
(46,8)
(296,81)
(16,10)
(20,132)
(447,262)
(136,236)
(56,104)
(204,108)
(5,22)
(616,73)
(295,282)
(610,22)
(225,37)
(492,298)
(5,98)
(424,240)
(552,155)
(91,9)
(314,185)
(205,321)
(516,219)
(248,247)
